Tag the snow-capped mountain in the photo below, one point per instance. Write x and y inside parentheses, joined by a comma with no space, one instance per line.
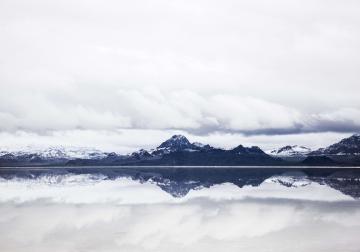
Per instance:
(72,153)
(290,151)
(347,146)
(179,151)
(54,152)
(177,143)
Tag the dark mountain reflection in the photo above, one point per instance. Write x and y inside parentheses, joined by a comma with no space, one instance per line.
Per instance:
(179,181)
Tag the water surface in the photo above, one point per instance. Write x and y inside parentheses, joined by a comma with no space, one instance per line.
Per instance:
(179,209)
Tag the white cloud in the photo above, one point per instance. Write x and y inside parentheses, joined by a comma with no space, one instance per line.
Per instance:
(199,66)
(150,108)
(127,141)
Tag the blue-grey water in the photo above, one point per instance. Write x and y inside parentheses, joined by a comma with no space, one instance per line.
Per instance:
(179,209)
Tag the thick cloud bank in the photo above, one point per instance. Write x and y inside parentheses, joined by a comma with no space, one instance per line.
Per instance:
(152,109)
(82,214)
(252,67)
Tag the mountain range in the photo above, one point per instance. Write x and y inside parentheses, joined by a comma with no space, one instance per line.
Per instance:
(179,151)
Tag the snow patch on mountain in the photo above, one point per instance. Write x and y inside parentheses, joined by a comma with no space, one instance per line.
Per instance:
(289,181)
(55,152)
(199,145)
(347,146)
(290,150)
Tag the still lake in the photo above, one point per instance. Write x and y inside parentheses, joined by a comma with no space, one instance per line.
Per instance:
(179,208)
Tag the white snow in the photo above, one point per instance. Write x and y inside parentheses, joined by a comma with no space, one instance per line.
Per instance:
(55,152)
(197,144)
(294,150)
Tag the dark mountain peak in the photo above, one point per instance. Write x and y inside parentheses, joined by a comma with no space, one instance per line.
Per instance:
(140,154)
(176,142)
(178,138)
(112,154)
(257,149)
(354,138)
(347,146)
(240,146)
(201,147)
(240,149)
(285,148)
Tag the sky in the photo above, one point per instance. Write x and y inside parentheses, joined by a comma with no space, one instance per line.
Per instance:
(123,75)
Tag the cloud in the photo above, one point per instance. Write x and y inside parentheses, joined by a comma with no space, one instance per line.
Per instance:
(149,108)
(200,67)
(128,140)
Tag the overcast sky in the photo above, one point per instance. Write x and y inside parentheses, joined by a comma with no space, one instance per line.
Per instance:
(127,74)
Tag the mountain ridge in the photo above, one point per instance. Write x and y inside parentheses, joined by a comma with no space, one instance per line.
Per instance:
(178,150)
(347,146)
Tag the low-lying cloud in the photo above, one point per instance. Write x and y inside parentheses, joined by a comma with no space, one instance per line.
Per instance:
(151,109)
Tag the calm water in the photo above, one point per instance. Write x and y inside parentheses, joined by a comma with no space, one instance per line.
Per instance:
(178,181)
(179,209)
